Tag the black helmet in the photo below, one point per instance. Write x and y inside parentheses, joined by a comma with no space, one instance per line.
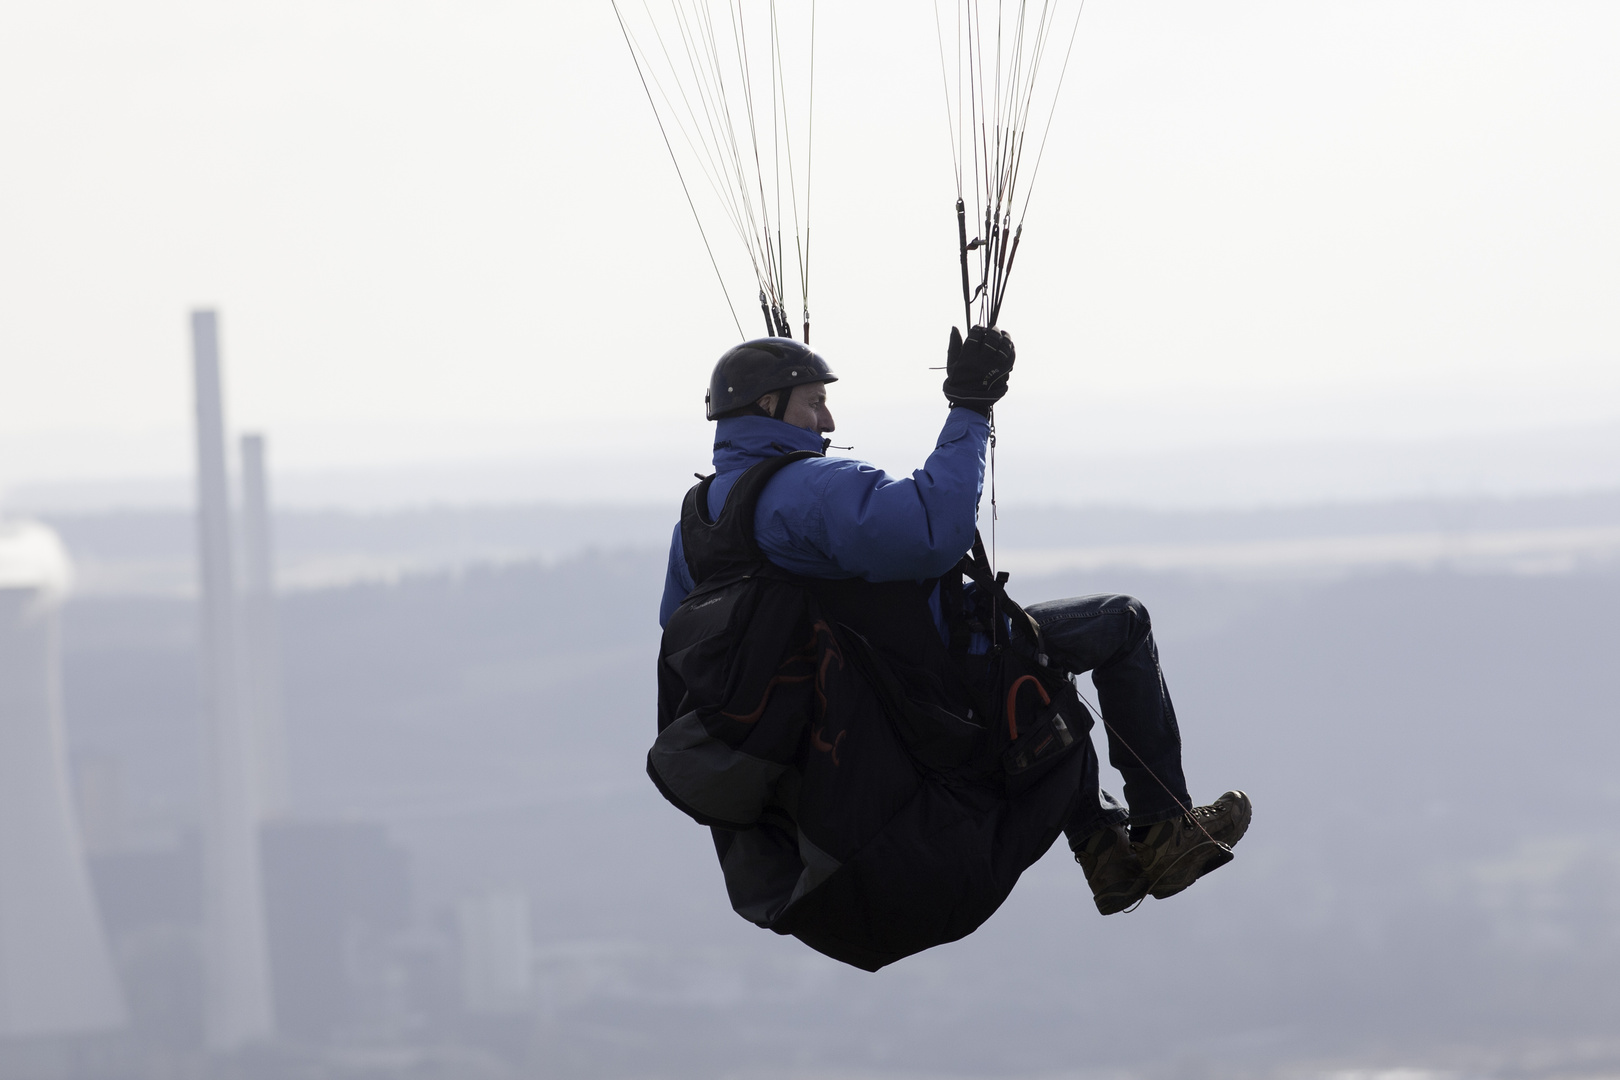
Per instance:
(753,369)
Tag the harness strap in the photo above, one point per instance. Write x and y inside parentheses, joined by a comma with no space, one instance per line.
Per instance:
(727,541)
(975,566)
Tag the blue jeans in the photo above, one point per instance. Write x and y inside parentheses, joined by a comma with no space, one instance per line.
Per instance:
(1111,637)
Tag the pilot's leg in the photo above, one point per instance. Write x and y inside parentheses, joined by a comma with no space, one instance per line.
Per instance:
(1172,842)
(1112,637)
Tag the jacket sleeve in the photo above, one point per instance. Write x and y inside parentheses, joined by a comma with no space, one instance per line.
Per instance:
(677,579)
(838,518)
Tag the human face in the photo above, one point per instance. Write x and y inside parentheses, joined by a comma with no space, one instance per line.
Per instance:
(807,408)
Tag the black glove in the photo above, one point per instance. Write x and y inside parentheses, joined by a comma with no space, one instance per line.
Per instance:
(976,369)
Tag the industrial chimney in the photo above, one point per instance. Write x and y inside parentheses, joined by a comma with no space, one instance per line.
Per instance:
(261,643)
(238,971)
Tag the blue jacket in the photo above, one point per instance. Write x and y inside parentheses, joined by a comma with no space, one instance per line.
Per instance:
(841,518)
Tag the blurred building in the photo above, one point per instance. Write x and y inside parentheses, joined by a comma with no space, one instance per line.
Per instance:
(150,896)
(497,952)
(56,974)
(337,896)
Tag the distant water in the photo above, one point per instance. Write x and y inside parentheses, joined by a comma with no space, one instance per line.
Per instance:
(150,551)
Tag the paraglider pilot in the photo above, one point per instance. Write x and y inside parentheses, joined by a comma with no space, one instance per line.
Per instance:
(879,737)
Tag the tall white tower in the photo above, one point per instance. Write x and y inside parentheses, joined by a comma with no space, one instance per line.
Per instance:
(236,953)
(261,642)
(56,975)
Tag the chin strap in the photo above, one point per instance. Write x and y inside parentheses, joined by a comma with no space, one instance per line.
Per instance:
(782,397)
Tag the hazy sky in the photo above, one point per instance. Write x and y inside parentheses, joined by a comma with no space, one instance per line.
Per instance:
(445,231)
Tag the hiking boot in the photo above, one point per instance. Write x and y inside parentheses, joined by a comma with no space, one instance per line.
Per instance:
(1112,869)
(1178,852)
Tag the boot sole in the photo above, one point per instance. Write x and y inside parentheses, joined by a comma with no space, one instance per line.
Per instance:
(1220,858)
(1113,902)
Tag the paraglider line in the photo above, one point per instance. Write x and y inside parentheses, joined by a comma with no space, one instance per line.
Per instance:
(673,160)
(1049,116)
(1148,769)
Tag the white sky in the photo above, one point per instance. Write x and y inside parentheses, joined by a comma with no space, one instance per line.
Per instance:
(449,232)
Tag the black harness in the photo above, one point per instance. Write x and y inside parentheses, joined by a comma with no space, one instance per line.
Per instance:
(873,789)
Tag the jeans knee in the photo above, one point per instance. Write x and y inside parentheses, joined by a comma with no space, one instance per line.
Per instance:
(1138,611)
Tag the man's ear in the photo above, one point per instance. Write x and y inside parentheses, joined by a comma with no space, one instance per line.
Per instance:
(768,403)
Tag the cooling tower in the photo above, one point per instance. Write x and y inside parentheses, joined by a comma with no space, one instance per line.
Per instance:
(236,953)
(56,975)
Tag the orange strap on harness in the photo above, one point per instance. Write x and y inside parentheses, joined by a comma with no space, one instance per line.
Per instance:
(1012,701)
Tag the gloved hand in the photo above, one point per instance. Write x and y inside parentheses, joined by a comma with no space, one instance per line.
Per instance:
(976,369)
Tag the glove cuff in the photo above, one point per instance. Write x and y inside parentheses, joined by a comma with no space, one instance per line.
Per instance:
(980,407)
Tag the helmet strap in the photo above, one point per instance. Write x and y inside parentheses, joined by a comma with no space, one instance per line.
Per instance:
(782,397)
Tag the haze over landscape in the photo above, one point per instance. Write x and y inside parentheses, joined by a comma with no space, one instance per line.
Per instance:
(1318,357)
(1432,882)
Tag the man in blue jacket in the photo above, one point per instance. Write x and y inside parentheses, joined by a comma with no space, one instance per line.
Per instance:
(837,518)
